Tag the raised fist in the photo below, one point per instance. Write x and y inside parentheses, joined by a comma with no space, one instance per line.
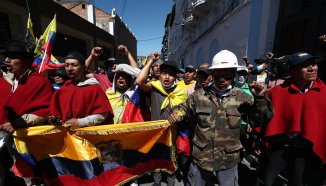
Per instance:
(123,49)
(96,52)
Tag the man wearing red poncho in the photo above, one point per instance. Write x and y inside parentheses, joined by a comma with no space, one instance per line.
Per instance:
(25,99)
(296,134)
(80,102)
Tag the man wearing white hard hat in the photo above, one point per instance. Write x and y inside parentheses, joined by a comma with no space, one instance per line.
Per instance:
(217,111)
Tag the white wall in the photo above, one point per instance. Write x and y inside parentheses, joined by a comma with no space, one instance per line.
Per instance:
(230,33)
(247,30)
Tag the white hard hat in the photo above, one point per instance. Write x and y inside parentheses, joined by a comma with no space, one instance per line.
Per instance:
(224,59)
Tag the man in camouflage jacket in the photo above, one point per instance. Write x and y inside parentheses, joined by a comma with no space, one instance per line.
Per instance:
(217,111)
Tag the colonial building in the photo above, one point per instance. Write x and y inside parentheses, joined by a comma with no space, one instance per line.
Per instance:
(165,42)
(73,32)
(198,29)
(110,22)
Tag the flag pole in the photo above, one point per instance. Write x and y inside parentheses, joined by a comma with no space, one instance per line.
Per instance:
(46,50)
(28,6)
(39,70)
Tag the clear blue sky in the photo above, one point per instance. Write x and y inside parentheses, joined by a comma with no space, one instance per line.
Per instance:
(145,18)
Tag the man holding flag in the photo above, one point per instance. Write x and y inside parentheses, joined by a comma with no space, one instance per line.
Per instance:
(80,102)
(28,93)
(165,95)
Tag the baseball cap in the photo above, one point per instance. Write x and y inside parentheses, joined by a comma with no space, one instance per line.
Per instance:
(76,55)
(205,70)
(60,72)
(169,64)
(261,59)
(190,68)
(301,57)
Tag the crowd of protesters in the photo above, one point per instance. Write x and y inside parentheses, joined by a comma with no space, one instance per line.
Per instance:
(266,115)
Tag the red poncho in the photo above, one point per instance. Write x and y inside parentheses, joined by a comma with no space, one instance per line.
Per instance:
(32,96)
(5,88)
(302,113)
(72,101)
(103,80)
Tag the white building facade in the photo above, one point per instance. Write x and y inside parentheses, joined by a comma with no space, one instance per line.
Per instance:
(201,28)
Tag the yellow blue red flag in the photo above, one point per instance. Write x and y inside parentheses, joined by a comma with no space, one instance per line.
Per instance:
(136,109)
(29,36)
(97,155)
(144,61)
(44,58)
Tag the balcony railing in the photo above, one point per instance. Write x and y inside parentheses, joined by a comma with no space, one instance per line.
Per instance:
(200,7)
(189,21)
(198,3)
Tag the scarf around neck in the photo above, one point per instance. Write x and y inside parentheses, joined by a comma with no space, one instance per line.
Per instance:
(174,98)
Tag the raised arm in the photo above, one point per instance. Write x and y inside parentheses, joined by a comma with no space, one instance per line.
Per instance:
(141,80)
(262,110)
(95,53)
(123,49)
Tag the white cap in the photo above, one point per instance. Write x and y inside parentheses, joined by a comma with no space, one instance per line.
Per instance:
(224,59)
(242,68)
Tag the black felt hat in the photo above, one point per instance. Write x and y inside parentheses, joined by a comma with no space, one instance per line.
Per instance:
(18,48)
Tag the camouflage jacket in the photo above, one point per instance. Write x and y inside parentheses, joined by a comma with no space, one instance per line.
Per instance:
(216,141)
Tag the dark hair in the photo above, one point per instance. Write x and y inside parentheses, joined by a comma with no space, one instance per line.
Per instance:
(128,78)
(171,70)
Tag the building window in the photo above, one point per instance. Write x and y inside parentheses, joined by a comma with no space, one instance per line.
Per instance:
(200,57)
(83,6)
(213,49)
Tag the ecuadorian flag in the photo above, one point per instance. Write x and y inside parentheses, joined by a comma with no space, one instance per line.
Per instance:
(44,59)
(98,155)
(136,109)
(29,36)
